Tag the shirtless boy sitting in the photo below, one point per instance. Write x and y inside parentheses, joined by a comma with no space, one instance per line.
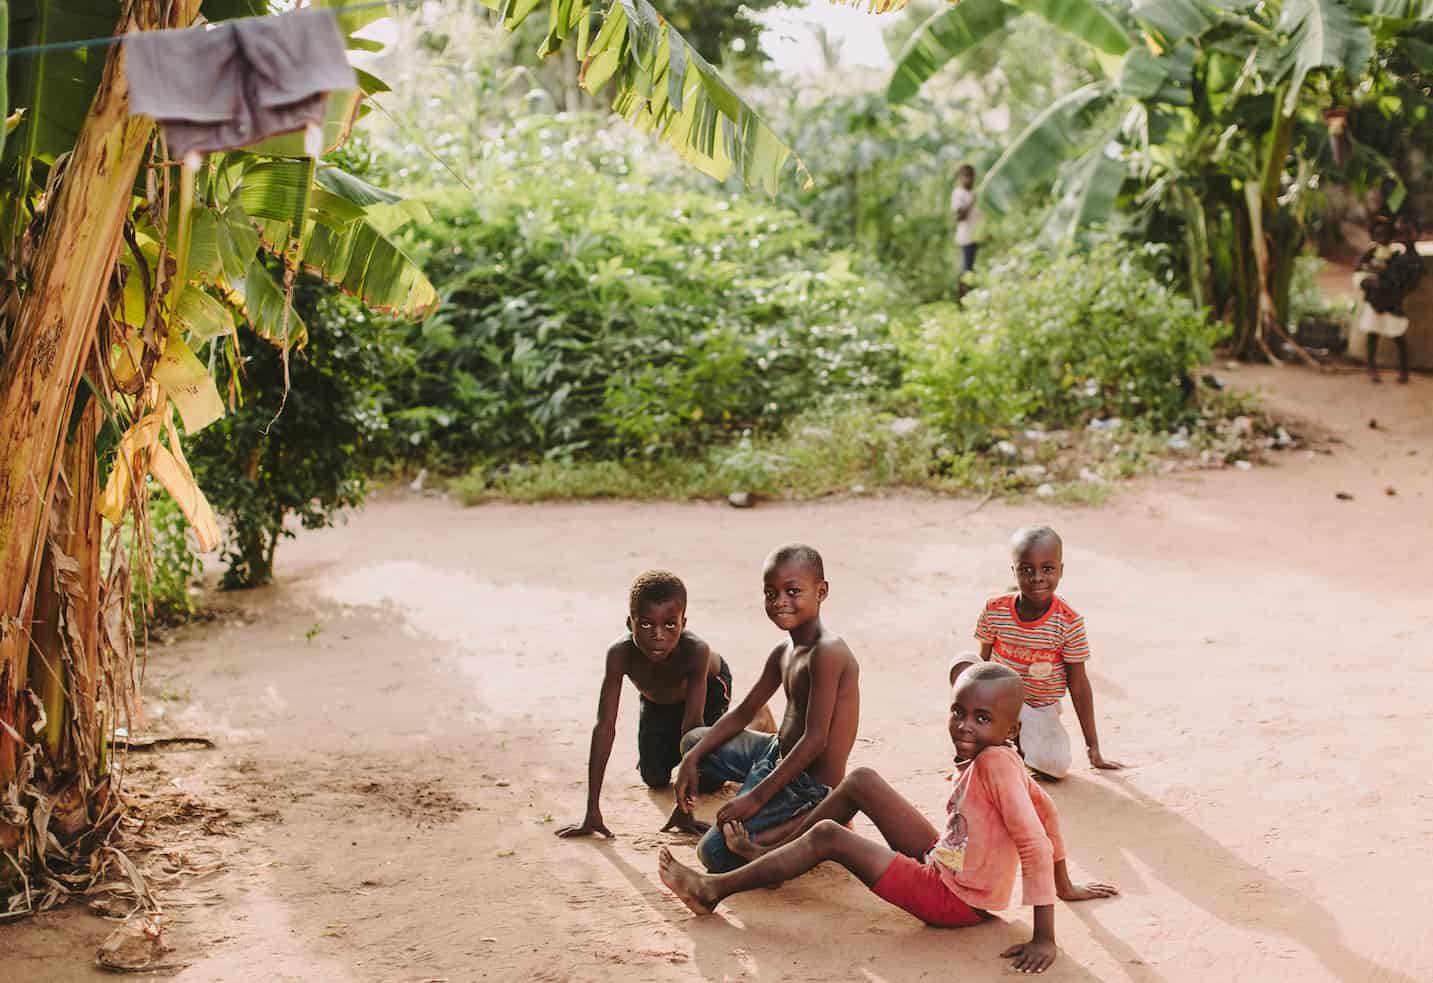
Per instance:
(784,775)
(682,683)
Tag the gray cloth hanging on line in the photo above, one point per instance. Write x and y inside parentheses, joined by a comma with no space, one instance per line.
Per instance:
(231,84)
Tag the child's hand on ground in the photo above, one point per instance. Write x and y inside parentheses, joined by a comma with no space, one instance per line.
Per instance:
(682,821)
(1098,760)
(1087,891)
(591,823)
(738,810)
(1031,957)
(685,785)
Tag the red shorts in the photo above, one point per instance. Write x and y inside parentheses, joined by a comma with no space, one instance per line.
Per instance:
(917,888)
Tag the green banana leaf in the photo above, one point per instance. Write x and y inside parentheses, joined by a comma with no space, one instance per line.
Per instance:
(1034,157)
(1166,78)
(1088,190)
(662,86)
(268,309)
(1176,20)
(951,33)
(1322,34)
(944,37)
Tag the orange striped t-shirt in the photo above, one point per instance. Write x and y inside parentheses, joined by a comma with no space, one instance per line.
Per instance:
(1037,650)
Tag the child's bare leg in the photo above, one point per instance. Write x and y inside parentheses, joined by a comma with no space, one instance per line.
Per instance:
(824,841)
(862,791)
(763,721)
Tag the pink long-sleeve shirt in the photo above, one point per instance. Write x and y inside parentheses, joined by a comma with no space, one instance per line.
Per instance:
(998,820)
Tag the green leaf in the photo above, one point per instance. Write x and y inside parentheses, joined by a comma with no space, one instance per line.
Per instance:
(1083,20)
(1088,190)
(1176,20)
(351,188)
(944,37)
(709,125)
(268,309)
(363,262)
(1163,79)
(1322,34)
(1037,154)
(202,315)
(278,190)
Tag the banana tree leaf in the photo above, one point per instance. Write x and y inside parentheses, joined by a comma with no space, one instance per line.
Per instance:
(202,315)
(1034,157)
(55,88)
(1418,52)
(1176,20)
(874,6)
(944,37)
(268,310)
(278,190)
(238,244)
(351,188)
(1159,79)
(1401,10)
(362,262)
(1322,34)
(1088,190)
(1083,20)
(663,87)
(713,130)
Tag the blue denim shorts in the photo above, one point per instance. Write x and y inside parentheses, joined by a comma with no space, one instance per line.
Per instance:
(748,758)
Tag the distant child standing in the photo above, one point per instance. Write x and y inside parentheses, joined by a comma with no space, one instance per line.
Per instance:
(967,217)
(1386,275)
(1038,635)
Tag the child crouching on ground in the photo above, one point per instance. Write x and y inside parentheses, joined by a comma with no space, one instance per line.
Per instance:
(998,820)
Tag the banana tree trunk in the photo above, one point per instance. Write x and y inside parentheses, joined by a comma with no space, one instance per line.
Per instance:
(54,335)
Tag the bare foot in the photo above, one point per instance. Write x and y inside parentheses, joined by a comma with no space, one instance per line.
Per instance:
(684,882)
(681,821)
(739,842)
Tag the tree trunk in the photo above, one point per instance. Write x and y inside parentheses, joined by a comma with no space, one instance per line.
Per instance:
(54,335)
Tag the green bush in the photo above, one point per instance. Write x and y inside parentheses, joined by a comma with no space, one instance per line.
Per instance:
(161,587)
(304,451)
(1057,341)
(590,314)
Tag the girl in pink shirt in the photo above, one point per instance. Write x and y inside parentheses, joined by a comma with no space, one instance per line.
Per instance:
(998,820)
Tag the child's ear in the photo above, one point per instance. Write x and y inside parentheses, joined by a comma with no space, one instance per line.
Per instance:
(1014,737)
(823,590)
(630,626)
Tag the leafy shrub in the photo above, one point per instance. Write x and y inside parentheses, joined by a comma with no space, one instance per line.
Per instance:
(303,452)
(592,315)
(1058,341)
(161,586)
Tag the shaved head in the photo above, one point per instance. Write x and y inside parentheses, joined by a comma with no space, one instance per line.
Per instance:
(999,683)
(798,553)
(1029,536)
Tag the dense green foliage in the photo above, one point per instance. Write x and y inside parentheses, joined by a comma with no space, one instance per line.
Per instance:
(306,436)
(162,582)
(585,315)
(1057,341)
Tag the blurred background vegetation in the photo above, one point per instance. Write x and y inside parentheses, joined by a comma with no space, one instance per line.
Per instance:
(614,323)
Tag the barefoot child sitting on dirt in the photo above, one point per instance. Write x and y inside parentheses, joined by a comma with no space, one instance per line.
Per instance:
(997,820)
(784,775)
(682,684)
(1038,635)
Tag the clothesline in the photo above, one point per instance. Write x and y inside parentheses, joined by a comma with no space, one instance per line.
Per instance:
(105,42)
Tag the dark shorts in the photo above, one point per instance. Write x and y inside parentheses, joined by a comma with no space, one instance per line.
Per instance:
(659,729)
(967,257)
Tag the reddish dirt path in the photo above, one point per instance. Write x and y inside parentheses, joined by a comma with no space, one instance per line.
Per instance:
(393,780)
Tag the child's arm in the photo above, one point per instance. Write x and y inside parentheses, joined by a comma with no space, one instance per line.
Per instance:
(1036,955)
(828,662)
(1008,786)
(699,662)
(1065,889)
(732,722)
(1083,696)
(985,649)
(601,748)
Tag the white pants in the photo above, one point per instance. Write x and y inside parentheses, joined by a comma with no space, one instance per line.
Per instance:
(1044,741)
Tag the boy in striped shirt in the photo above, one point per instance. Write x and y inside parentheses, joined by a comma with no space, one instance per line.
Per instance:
(1038,635)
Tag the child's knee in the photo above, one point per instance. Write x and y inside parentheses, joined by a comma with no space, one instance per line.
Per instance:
(691,737)
(826,832)
(656,777)
(861,779)
(713,853)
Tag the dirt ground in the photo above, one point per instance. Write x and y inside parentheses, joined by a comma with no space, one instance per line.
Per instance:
(402,722)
